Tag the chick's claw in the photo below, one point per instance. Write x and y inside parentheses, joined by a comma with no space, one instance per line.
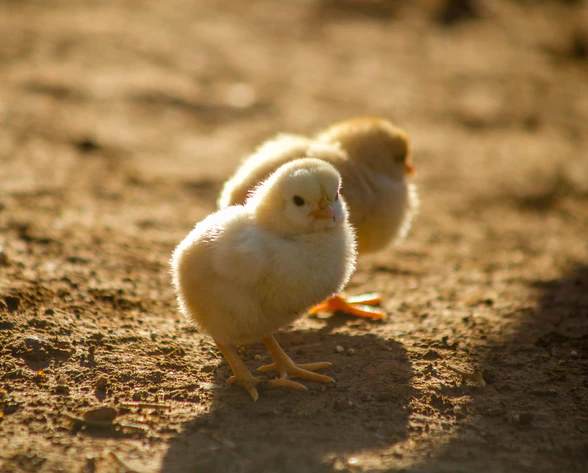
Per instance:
(370,298)
(248,383)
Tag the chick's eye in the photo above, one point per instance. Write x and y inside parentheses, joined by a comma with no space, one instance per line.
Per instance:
(299,201)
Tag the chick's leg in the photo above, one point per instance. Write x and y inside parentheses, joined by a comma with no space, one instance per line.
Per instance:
(360,306)
(241,374)
(285,367)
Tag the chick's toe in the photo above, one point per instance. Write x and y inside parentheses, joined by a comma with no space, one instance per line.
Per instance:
(248,383)
(360,306)
(241,374)
(287,384)
(286,367)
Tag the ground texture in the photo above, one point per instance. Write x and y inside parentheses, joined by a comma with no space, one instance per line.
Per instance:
(120,121)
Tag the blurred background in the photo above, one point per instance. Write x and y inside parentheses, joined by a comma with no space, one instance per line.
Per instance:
(165,87)
(120,121)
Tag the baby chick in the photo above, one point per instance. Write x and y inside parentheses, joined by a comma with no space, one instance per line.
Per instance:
(373,158)
(247,270)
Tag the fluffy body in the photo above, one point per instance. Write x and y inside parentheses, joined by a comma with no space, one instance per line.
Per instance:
(373,158)
(247,270)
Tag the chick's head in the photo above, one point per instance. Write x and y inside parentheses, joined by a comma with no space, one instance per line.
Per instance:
(302,196)
(375,142)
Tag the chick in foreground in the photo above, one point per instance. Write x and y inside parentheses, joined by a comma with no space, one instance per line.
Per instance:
(247,270)
(374,160)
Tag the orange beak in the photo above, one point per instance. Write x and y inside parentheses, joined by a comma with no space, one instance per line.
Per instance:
(324,210)
(323,213)
(409,168)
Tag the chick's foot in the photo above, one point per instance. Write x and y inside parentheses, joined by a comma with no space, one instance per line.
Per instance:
(285,367)
(360,306)
(247,382)
(241,374)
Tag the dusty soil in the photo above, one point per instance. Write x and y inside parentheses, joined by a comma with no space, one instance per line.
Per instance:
(120,121)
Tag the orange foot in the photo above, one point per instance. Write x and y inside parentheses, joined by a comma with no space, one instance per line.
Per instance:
(286,368)
(360,306)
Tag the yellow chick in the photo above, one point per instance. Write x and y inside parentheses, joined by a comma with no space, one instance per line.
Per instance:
(247,270)
(373,158)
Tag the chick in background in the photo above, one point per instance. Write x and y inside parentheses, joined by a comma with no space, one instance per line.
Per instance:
(247,270)
(374,160)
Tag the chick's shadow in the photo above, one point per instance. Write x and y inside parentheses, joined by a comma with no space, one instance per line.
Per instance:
(538,371)
(312,431)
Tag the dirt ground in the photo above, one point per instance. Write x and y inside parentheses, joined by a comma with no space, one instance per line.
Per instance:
(119,122)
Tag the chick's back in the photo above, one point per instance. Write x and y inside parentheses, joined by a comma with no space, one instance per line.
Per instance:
(368,153)
(268,158)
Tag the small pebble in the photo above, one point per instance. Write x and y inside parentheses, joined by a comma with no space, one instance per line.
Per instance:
(100,414)
(339,349)
(258,357)
(431,355)
(351,351)
(12,303)
(40,376)
(574,354)
(341,404)
(241,95)
(523,418)
(102,383)
(87,145)
(61,389)
(339,465)
(3,258)
(353,461)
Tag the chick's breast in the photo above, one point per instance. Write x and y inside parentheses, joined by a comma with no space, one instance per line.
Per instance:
(306,269)
(381,208)
(240,282)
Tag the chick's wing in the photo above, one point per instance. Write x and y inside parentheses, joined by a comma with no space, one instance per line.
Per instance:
(240,257)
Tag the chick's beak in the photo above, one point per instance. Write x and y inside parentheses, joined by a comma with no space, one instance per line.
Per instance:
(324,211)
(409,168)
